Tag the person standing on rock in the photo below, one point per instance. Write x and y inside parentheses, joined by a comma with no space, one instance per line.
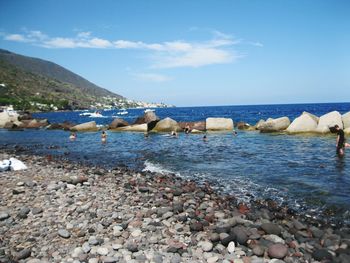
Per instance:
(341,144)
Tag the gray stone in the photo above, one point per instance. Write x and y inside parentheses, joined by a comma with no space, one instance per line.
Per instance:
(206,246)
(4,215)
(271,228)
(24,253)
(258,250)
(63,233)
(23,213)
(37,210)
(103,251)
(322,254)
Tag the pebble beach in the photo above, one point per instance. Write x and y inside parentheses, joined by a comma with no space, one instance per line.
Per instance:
(61,211)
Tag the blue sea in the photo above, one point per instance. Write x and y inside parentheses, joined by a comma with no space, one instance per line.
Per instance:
(301,171)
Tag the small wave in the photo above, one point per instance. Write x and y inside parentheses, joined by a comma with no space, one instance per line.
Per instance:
(157,168)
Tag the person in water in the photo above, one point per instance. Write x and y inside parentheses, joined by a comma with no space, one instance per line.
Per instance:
(72,136)
(187,129)
(205,138)
(104,136)
(174,134)
(341,144)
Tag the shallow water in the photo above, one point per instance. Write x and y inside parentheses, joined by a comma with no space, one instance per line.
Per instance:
(301,171)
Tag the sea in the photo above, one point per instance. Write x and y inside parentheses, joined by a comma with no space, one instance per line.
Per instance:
(302,172)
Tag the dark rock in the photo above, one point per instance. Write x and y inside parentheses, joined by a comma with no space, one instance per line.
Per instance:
(178,207)
(240,235)
(4,215)
(258,250)
(243,125)
(132,247)
(322,254)
(18,191)
(23,213)
(143,189)
(271,228)
(148,117)
(37,210)
(225,241)
(223,228)
(196,226)
(117,122)
(23,254)
(197,125)
(277,251)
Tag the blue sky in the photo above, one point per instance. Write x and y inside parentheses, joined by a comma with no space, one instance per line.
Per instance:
(192,53)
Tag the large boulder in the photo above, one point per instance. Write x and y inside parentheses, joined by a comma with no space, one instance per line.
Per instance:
(36,124)
(196,125)
(61,126)
(133,128)
(304,123)
(118,122)
(316,119)
(147,117)
(150,118)
(87,126)
(274,125)
(257,126)
(243,126)
(167,125)
(346,120)
(347,131)
(219,124)
(5,117)
(329,120)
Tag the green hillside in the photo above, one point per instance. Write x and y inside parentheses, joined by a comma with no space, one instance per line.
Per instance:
(30,83)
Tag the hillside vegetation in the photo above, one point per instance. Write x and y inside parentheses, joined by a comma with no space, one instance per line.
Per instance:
(30,83)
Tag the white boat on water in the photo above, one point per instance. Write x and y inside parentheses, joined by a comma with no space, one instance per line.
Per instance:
(148,110)
(95,114)
(123,112)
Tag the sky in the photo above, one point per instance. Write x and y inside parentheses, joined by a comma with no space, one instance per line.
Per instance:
(192,53)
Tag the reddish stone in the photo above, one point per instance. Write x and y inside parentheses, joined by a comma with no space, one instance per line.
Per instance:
(243,208)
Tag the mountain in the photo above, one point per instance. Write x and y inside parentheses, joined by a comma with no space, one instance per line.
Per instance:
(27,80)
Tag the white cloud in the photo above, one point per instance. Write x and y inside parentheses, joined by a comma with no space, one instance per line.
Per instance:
(153,77)
(16,38)
(178,53)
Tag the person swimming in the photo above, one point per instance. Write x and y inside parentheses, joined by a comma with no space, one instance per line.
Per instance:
(205,138)
(103,137)
(72,136)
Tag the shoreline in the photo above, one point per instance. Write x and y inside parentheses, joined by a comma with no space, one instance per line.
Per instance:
(60,211)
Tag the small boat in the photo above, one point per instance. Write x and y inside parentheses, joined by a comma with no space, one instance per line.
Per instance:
(95,114)
(148,110)
(124,112)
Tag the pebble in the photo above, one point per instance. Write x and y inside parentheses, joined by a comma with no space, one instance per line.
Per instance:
(4,215)
(231,247)
(103,251)
(23,254)
(63,233)
(206,246)
(277,251)
(271,228)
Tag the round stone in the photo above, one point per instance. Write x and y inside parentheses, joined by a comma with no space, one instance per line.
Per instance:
(206,246)
(103,251)
(277,251)
(4,215)
(231,247)
(63,233)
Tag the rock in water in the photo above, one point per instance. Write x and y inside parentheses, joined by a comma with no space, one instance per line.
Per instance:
(304,123)
(274,125)
(118,122)
(219,124)
(329,120)
(87,126)
(133,128)
(166,125)
(346,120)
